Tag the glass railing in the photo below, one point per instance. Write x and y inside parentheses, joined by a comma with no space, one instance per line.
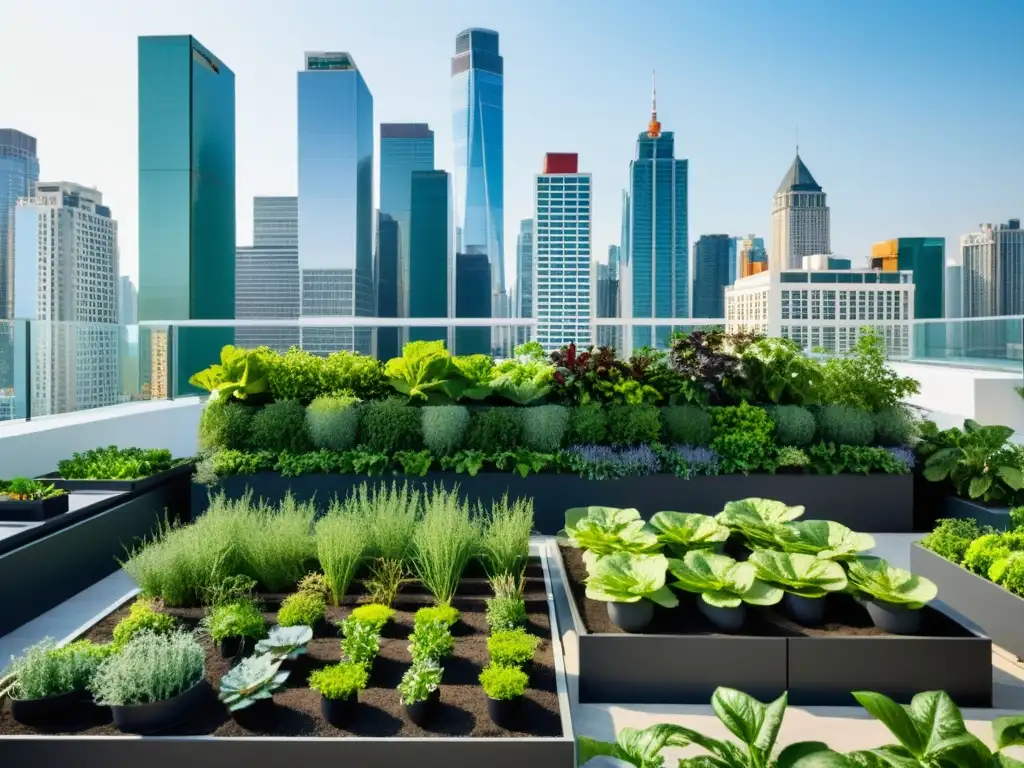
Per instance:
(984,342)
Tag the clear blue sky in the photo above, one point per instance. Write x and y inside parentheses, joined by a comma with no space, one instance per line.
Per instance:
(910,112)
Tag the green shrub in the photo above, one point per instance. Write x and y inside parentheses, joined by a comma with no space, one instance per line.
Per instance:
(150,668)
(300,375)
(239,619)
(894,425)
(225,424)
(388,426)
(444,427)
(339,681)
(446,539)
(686,425)
(1017,518)
(373,614)
(984,551)
(951,538)
(301,609)
(1009,572)
(845,425)
(444,613)
(46,670)
(281,426)
(794,425)
(507,612)
(588,425)
(503,683)
(743,437)
(430,641)
(544,427)
(495,429)
(862,377)
(142,616)
(333,422)
(633,424)
(315,582)
(512,647)
(361,642)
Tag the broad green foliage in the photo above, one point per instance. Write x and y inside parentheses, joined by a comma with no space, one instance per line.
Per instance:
(503,682)
(339,681)
(682,531)
(794,425)
(979,461)
(477,371)
(801,575)
(526,378)
(425,372)
(152,667)
(604,530)
(862,378)
(721,581)
(27,489)
(845,425)
(333,422)
(444,427)
(826,539)
(777,371)
(419,681)
(285,642)
(303,376)
(281,426)
(254,678)
(874,577)
(743,437)
(760,521)
(241,374)
(360,643)
(686,425)
(624,577)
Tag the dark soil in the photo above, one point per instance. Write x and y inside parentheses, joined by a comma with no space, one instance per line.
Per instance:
(844,617)
(463,710)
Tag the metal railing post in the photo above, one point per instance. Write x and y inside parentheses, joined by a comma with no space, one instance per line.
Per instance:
(28,370)
(172,351)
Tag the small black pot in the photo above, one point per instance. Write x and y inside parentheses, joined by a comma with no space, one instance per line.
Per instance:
(506,713)
(422,712)
(339,712)
(895,619)
(631,617)
(726,619)
(808,611)
(161,715)
(236,645)
(30,711)
(256,717)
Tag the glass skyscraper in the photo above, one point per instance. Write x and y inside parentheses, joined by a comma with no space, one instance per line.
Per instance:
(336,213)
(386,271)
(472,299)
(430,254)
(186,202)
(19,171)
(714,261)
(524,277)
(478,176)
(926,258)
(656,263)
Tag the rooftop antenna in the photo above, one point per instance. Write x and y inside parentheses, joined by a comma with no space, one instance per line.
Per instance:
(654,127)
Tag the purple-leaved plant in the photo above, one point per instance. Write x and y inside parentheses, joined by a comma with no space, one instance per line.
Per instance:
(599,462)
(695,460)
(904,455)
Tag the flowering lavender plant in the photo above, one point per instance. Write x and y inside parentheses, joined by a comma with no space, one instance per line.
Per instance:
(690,460)
(904,455)
(601,462)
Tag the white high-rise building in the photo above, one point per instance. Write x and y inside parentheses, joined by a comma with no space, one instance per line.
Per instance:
(66,272)
(562,290)
(800,219)
(993,270)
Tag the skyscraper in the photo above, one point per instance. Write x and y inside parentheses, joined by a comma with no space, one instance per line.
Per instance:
(993,270)
(606,298)
(128,337)
(524,277)
(478,176)
(66,272)
(186,202)
(954,289)
(386,270)
(926,258)
(800,218)
(430,252)
(714,257)
(472,299)
(336,213)
(750,258)
(267,275)
(19,171)
(562,252)
(127,301)
(656,260)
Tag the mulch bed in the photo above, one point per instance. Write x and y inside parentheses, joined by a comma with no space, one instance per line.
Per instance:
(843,616)
(463,710)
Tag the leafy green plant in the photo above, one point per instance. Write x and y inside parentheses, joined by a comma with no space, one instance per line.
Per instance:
(721,581)
(788,457)
(281,426)
(544,427)
(875,577)
(339,681)
(743,437)
(389,516)
(425,372)
(276,543)
(464,462)
(430,641)
(27,489)
(894,425)
(525,379)
(316,583)
(241,374)
(225,424)
(825,539)
(495,429)
(241,619)
(419,681)
(333,422)
(604,530)
(777,371)
(503,682)
(794,425)
(832,459)
(506,612)
(285,642)
(505,537)
(1008,572)
(588,425)
(142,616)
(801,575)
(447,538)
(845,425)
(632,424)
(431,613)
(390,425)
(512,647)
(682,531)
(444,427)
(303,376)
(989,548)
(361,642)
(760,521)
(48,670)
(416,463)
(253,679)
(951,538)
(979,462)
(477,371)
(863,379)
(375,615)
(342,537)
(113,463)
(230,589)
(522,461)
(302,609)
(385,580)
(151,667)
(623,577)
(686,425)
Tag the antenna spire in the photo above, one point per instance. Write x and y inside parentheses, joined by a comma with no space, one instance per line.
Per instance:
(654,127)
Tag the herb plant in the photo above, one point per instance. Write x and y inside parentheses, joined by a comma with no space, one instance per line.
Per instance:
(544,427)
(113,463)
(952,537)
(390,425)
(253,679)
(281,426)
(241,619)
(315,583)
(431,641)
(333,422)
(743,437)
(151,667)
(503,682)
(794,425)
(862,377)
(446,539)
(302,609)
(342,537)
(48,670)
(361,642)
(27,489)
(285,642)
(419,681)
(505,613)
(979,461)
(444,427)
(505,537)
(373,614)
(339,681)
(686,425)
(495,429)
(142,617)
(444,613)
(512,647)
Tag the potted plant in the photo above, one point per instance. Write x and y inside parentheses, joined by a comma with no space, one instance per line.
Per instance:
(375,614)
(285,643)
(247,690)
(513,648)
(630,584)
(605,530)
(446,613)
(360,644)
(235,627)
(339,686)
(805,579)
(154,682)
(504,686)
(302,609)
(682,531)
(24,499)
(419,692)
(824,539)
(761,522)
(724,585)
(49,681)
(893,597)
(431,641)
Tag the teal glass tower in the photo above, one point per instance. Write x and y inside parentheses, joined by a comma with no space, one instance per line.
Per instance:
(714,258)
(186,203)
(656,256)
(430,254)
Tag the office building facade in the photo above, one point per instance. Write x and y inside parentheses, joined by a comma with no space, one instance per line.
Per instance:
(954,290)
(386,270)
(926,258)
(563,206)
(275,222)
(431,262)
(750,258)
(606,298)
(472,299)
(801,219)
(714,257)
(186,202)
(336,211)
(19,172)
(523,305)
(993,270)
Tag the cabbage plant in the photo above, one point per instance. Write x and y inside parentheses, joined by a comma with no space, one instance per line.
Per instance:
(886,583)
(683,531)
(285,642)
(801,575)
(253,679)
(624,577)
(721,581)
(760,521)
(604,530)
(827,539)
(425,372)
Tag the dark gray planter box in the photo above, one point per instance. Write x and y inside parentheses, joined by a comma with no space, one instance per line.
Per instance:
(180,473)
(866,503)
(33,510)
(966,509)
(998,613)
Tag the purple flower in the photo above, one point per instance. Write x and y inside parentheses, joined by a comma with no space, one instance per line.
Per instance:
(904,455)
(602,461)
(696,460)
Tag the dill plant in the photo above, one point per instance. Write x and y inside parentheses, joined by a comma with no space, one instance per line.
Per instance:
(278,544)
(389,514)
(341,543)
(150,668)
(47,670)
(447,538)
(505,542)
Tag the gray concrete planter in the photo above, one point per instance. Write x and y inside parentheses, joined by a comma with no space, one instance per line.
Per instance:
(866,503)
(997,517)
(998,613)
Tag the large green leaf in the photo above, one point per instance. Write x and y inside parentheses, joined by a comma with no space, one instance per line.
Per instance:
(896,718)
(827,539)
(812,754)
(799,574)
(627,578)
(1012,476)
(640,748)
(255,678)
(684,531)
(760,521)
(425,369)
(742,714)
(877,578)
(979,485)
(1008,731)
(721,580)
(883,757)
(605,530)
(937,718)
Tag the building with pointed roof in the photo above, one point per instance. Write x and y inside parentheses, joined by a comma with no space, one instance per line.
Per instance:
(800,218)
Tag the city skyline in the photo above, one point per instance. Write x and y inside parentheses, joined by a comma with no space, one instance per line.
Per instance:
(734,169)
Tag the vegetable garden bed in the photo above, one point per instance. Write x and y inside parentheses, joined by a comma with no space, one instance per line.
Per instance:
(967,509)
(681,658)
(134,485)
(877,503)
(380,735)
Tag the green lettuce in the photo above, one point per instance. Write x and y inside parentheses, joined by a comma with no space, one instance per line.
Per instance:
(798,574)
(875,577)
(624,577)
(603,530)
(683,531)
(425,371)
(721,581)
(760,521)
(827,540)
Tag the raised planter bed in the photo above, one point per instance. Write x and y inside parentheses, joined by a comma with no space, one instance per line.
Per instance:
(381,735)
(999,613)
(682,658)
(867,503)
(136,485)
(35,510)
(997,517)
